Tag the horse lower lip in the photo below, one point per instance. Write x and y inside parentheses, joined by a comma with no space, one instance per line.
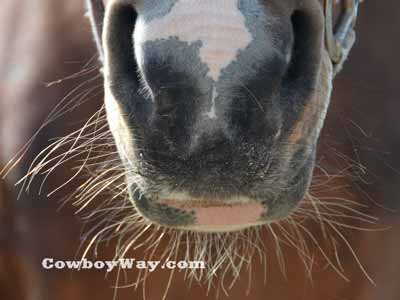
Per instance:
(223,215)
(229,215)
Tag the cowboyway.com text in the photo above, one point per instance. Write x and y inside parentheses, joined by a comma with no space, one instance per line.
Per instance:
(125,263)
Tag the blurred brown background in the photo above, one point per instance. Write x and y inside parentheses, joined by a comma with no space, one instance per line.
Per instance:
(42,41)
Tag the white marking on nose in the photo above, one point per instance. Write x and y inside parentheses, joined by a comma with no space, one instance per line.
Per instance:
(212,113)
(219,25)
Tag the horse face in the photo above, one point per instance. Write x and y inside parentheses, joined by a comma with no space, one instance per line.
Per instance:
(215,106)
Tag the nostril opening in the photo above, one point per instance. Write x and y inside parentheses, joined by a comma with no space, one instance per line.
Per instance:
(118,41)
(121,68)
(306,47)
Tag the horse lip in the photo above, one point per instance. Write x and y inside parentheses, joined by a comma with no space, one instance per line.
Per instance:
(220,214)
(192,204)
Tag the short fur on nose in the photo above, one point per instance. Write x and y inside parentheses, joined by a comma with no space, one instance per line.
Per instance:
(218,25)
(208,65)
(212,45)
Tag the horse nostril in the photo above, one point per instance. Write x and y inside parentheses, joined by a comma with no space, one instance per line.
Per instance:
(306,48)
(121,65)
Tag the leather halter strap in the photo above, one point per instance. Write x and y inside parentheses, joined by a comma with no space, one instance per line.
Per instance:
(340,37)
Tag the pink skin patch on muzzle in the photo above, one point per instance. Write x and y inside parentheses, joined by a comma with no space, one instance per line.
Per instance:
(229,215)
(222,215)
